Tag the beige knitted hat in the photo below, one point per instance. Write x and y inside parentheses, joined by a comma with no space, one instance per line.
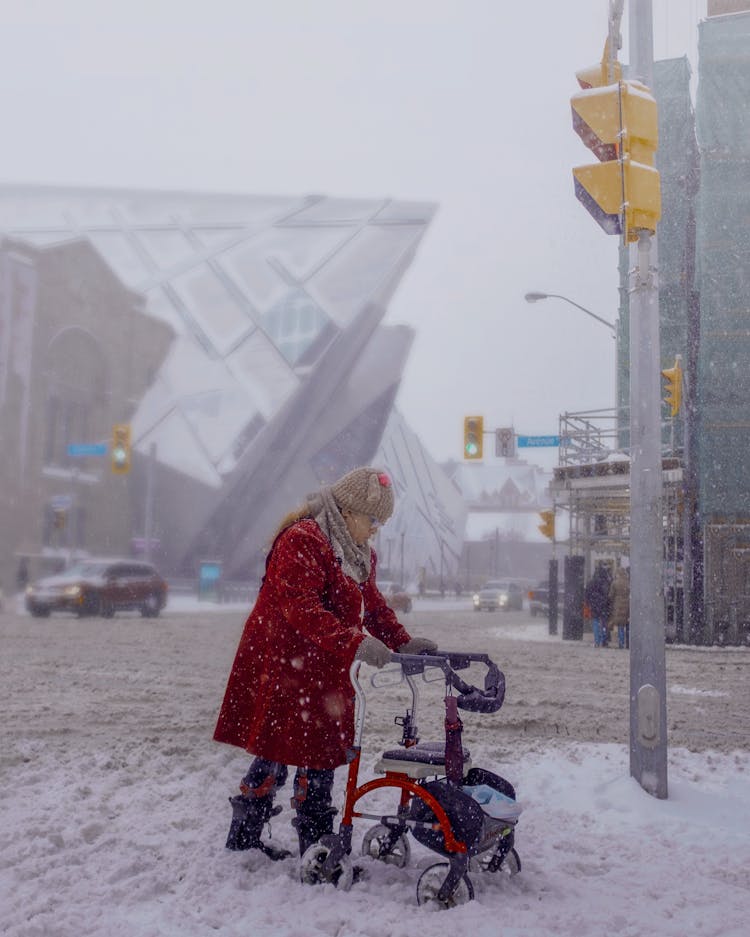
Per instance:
(365,491)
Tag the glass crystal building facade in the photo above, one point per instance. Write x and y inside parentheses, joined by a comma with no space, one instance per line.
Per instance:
(279,375)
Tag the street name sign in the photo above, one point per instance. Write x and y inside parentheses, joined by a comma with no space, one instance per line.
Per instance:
(87,448)
(532,442)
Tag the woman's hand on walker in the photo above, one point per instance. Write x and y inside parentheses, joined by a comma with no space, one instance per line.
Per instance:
(418,646)
(373,652)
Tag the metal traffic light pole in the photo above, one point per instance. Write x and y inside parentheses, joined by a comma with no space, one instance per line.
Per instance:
(648,704)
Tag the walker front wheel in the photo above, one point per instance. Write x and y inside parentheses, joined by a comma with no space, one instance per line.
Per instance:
(377,844)
(312,869)
(429,884)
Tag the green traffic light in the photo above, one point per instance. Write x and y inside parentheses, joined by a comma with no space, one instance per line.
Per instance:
(471,448)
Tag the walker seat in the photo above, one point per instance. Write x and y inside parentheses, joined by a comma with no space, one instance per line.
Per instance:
(424,760)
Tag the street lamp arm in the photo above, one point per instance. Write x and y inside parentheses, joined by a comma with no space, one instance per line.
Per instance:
(535,297)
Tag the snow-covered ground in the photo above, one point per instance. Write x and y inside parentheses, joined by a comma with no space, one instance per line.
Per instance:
(114,808)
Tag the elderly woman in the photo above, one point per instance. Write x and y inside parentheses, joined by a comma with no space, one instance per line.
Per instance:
(289,700)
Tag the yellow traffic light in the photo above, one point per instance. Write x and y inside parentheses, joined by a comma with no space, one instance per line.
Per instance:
(547,527)
(673,396)
(473,437)
(120,452)
(618,123)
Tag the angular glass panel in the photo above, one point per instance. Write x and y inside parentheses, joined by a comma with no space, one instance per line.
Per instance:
(176,447)
(218,312)
(216,238)
(117,251)
(264,265)
(361,269)
(167,247)
(217,417)
(160,306)
(259,367)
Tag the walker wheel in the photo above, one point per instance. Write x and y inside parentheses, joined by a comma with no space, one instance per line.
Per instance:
(375,844)
(311,871)
(429,884)
(511,864)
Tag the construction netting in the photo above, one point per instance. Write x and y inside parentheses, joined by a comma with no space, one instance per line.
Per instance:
(723,267)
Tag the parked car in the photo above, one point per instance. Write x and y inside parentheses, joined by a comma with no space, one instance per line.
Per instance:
(498,594)
(395,596)
(539,599)
(99,587)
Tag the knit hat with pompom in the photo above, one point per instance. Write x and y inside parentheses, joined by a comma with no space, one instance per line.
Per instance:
(365,491)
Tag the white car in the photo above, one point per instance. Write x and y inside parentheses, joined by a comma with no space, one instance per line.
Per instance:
(498,595)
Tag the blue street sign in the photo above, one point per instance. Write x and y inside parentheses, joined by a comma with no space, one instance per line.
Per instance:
(531,442)
(87,448)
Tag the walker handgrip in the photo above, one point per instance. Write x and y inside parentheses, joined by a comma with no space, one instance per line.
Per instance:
(488,700)
(470,698)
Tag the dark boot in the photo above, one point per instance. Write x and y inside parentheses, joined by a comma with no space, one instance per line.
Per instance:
(310,829)
(312,802)
(249,815)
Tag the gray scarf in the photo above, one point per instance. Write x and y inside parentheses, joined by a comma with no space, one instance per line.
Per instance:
(354,560)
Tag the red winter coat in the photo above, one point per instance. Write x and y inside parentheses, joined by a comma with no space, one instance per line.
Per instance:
(289,697)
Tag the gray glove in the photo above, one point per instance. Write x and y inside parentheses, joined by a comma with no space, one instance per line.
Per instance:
(374,652)
(417,645)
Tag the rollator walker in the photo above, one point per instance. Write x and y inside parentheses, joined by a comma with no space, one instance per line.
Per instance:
(468,815)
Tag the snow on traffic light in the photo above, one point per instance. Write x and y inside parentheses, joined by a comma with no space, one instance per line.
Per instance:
(617,120)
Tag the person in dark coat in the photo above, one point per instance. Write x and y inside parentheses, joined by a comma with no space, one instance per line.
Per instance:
(619,594)
(597,598)
(289,699)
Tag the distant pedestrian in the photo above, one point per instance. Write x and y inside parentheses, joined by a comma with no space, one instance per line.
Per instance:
(22,576)
(620,598)
(596,597)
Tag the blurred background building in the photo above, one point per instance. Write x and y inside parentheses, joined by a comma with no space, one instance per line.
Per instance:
(241,340)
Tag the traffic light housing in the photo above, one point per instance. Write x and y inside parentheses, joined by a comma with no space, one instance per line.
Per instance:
(618,122)
(547,527)
(473,437)
(673,395)
(120,453)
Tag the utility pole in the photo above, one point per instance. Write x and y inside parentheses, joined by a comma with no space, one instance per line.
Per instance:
(648,704)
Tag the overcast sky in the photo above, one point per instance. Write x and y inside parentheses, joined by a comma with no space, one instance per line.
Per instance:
(465,104)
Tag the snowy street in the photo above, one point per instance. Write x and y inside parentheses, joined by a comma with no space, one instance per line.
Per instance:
(115,797)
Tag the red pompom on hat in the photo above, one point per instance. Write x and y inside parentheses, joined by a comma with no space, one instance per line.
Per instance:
(365,491)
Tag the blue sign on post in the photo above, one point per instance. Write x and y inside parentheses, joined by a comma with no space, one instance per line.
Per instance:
(87,448)
(531,442)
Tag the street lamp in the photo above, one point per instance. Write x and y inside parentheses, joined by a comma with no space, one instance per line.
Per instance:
(535,297)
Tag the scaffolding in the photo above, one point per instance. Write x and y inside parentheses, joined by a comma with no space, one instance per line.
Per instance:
(592,483)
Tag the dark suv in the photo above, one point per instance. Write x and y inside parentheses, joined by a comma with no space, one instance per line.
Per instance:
(99,587)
